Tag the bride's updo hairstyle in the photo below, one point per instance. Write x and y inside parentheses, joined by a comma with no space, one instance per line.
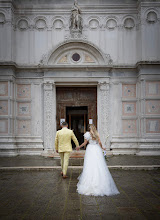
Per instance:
(94,133)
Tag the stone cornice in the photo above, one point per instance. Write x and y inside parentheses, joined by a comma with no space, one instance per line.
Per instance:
(38,68)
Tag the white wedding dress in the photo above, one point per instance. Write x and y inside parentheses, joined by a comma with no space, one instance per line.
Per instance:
(95,178)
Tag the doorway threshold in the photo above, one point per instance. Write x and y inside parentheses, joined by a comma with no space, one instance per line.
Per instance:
(74,154)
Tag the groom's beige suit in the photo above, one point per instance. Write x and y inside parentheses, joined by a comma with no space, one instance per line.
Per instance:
(64,146)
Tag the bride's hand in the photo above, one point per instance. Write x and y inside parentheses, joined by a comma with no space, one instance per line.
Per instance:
(103,148)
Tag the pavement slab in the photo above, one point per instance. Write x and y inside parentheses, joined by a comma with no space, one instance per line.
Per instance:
(112,161)
(45,195)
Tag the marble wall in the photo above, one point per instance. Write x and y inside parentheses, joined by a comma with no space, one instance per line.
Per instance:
(119,54)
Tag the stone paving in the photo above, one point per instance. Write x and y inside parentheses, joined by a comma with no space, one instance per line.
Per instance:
(45,195)
(49,161)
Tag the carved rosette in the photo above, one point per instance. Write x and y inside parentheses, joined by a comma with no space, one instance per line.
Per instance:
(104,113)
(48,100)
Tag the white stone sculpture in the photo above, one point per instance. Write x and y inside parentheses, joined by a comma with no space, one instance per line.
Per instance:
(76,19)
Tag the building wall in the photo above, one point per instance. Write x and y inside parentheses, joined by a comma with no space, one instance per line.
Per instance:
(124,37)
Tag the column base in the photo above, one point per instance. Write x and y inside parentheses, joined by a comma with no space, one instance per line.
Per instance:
(47,153)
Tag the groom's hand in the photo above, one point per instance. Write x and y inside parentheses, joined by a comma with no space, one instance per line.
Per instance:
(77,148)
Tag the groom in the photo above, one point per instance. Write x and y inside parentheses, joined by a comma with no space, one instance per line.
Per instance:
(63,146)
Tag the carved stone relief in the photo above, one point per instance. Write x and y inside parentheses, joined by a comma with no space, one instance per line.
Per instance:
(129,23)
(129,91)
(93,24)
(3,88)
(23,91)
(152,125)
(129,108)
(2,18)
(23,24)
(40,24)
(24,109)
(153,89)
(151,17)
(48,101)
(3,107)
(3,126)
(23,127)
(58,24)
(129,126)
(111,24)
(152,107)
(104,113)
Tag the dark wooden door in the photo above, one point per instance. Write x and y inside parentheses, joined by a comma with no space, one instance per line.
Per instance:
(76,97)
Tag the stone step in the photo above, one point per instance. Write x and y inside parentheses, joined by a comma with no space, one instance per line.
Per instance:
(116,167)
(76,154)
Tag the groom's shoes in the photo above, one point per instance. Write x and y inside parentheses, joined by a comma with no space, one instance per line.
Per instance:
(65,177)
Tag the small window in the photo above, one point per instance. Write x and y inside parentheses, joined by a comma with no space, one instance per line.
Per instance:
(76,57)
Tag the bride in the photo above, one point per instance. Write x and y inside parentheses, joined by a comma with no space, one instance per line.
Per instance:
(95,178)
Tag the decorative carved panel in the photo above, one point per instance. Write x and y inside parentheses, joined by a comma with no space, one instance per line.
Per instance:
(3,107)
(58,24)
(129,90)
(3,126)
(104,113)
(129,126)
(48,115)
(23,24)
(129,23)
(23,127)
(23,91)
(111,24)
(3,88)
(129,108)
(2,18)
(152,125)
(24,109)
(153,107)
(153,89)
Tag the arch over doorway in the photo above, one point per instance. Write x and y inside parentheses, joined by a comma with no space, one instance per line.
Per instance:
(77,52)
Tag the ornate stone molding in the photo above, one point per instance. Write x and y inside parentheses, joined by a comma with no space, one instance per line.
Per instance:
(104,113)
(48,118)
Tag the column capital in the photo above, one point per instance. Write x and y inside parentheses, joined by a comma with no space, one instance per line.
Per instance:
(48,85)
(104,85)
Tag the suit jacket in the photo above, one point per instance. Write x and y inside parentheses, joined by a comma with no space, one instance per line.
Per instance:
(63,140)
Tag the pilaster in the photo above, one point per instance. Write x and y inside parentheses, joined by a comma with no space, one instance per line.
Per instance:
(104,113)
(49,90)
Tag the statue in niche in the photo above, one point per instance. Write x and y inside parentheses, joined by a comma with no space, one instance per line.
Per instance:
(76,19)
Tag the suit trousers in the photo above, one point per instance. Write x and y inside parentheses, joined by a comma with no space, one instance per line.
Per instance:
(64,161)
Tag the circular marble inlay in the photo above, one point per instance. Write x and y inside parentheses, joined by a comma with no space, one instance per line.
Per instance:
(76,57)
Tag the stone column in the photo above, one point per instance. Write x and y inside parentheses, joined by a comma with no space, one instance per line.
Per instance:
(104,113)
(49,117)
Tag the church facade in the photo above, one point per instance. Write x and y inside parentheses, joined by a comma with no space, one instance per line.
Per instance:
(91,61)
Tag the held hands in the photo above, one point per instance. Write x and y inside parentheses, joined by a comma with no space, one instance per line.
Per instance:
(77,148)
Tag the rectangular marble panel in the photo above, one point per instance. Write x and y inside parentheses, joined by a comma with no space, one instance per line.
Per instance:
(3,88)
(3,107)
(153,89)
(3,126)
(129,108)
(129,126)
(24,109)
(23,127)
(23,91)
(153,107)
(152,125)
(129,90)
